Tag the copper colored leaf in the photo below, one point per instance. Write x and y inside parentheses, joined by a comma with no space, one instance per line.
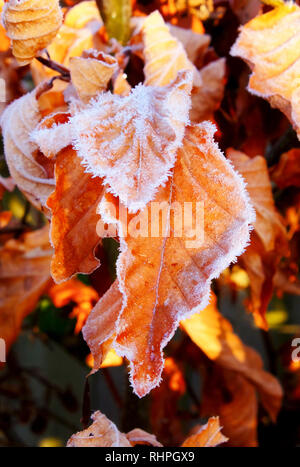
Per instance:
(100,326)
(73,206)
(269,225)
(234,399)
(214,335)
(164,54)
(207,436)
(270,43)
(163,278)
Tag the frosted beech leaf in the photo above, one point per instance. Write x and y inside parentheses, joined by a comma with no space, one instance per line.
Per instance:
(73,206)
(102,433)
(17,121)
(270,43)
(90,75)
(268,225)
(214,335)
(164,278)
(24,276)
(164,54)
(207,436)
(31,25)
(132,141)
(101,324)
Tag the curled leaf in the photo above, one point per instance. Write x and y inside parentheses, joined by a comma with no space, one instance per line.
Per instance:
(31,25)
(164,54)
(207,436)
(90,75)
(30,175)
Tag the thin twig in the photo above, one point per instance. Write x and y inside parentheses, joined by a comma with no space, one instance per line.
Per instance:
(112,387)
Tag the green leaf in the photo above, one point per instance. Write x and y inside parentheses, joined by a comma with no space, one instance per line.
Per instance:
(116,15)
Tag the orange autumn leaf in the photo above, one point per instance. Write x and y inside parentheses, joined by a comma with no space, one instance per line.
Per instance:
(24,276)
(5,217)
(154,272)
(269,239)
(287,171)
(270,45)
(169,53)
(31,25)
(260,266)
(269,225)
(132,141)
(207,436)
(74,291)
(214,335)
(73,206)
(100,327)
(234,399)
(31,177)
(164,54)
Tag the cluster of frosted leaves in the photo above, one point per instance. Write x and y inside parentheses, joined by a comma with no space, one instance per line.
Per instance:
(104,433)
(18,121)
(133,150)
(270,43)
(31,25)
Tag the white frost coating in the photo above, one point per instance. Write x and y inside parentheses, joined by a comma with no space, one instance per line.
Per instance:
(234,242)
(132,141)
(52,140)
